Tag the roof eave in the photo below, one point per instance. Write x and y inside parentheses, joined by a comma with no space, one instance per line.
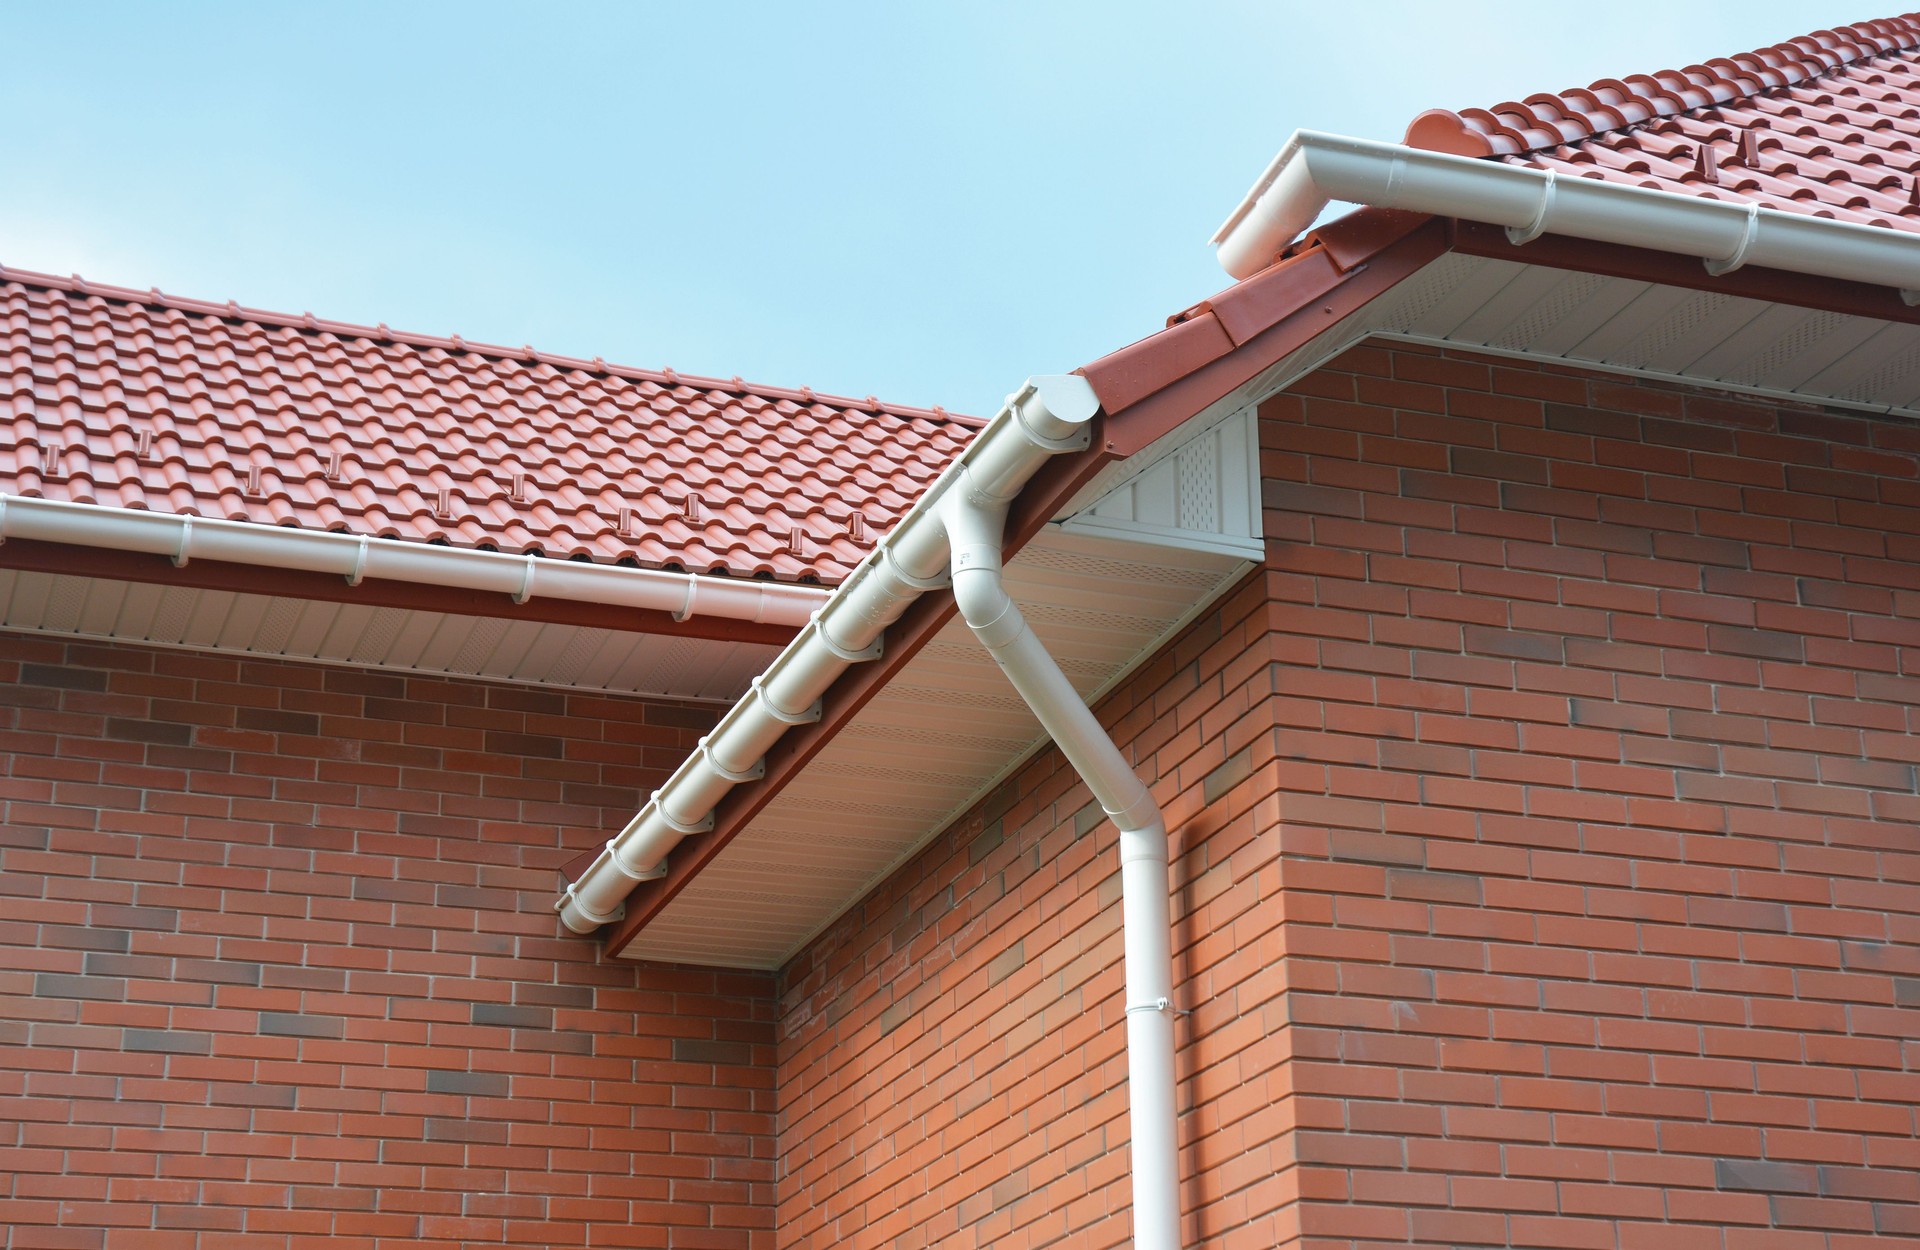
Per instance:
(1314,169)
(1145,391)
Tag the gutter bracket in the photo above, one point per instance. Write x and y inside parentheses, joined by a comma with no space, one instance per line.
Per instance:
(806,716)
(753,772)
(1739,257)
(1909,296)
(703,825)
(1518,235)
(871,651)
(359,572)
(938,581)
(186,539)
(526,581)
(686,609)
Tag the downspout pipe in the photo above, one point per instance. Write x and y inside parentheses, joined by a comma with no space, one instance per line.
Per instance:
(1051,414)
(975,519)
(1314,169)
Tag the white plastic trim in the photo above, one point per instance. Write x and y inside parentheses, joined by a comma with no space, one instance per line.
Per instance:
(1046,416)
(356,558)
(1314,169)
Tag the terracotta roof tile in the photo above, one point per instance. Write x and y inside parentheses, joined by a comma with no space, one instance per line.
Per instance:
(1826,124)
(139,400)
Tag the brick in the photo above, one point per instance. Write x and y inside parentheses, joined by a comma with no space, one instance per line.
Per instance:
(291,1024)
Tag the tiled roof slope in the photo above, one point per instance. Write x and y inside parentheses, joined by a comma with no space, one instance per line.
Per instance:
(1827,124)
(139,400)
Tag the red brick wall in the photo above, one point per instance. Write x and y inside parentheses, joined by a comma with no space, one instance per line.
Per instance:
(1548,872)
(278,967)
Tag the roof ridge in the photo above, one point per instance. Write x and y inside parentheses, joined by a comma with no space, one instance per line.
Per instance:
(155,297)
(1553,118)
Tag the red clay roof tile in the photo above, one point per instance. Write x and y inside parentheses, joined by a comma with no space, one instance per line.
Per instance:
(1823,124)
(140,400)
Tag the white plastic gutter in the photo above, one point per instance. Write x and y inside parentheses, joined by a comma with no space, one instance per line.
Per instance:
(1314,169)
(1047,416)
(975,519)
(356,557)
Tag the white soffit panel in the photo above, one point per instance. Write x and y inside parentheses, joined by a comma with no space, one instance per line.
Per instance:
(437,643)
(1204,496)
(1649,330)
(941,734)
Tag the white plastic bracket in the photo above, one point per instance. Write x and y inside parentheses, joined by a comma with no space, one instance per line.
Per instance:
(804,717)
(1739,257)
(1538,226)
(753,772)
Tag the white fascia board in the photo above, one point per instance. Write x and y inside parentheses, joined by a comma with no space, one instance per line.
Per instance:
(1314,169)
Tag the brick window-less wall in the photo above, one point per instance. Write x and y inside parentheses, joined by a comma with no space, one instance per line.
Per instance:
(1547,875)
(278,968)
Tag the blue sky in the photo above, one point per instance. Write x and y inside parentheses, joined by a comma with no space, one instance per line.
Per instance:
(927,202)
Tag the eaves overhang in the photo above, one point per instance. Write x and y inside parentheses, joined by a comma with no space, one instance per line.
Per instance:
(1146,396)
(1622,298)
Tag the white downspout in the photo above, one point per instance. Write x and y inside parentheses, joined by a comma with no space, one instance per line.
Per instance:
(975,521)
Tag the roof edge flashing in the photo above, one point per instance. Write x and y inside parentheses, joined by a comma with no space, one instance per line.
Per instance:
(1314,169)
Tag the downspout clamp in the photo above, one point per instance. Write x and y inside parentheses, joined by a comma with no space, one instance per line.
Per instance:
(975,519)
(1314,169)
